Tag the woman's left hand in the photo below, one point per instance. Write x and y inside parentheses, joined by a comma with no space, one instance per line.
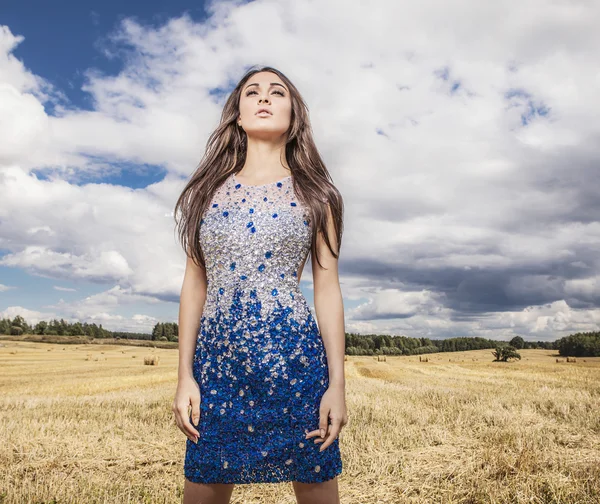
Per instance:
(333,406)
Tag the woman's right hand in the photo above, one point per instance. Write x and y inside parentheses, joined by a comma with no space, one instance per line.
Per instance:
(188,393)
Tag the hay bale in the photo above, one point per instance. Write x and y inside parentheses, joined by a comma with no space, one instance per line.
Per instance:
(151,360)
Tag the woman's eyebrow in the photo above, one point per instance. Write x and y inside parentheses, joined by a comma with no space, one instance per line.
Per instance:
(272,84)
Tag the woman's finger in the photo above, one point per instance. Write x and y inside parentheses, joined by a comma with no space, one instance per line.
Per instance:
(187,428)
(195,402)
(313,433)
(320,439)
(334,430)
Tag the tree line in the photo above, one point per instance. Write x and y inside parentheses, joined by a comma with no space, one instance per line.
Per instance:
(586,344)
(576,345)
(19,326)
(374,344)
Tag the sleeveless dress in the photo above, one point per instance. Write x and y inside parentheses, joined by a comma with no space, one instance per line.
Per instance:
(260,362)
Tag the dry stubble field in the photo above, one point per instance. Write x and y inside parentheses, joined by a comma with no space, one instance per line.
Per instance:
(92,424)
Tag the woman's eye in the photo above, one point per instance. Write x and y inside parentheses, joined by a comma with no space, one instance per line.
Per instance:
(252,91)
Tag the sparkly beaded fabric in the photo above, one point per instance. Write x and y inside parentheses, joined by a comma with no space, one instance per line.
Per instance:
(260,361)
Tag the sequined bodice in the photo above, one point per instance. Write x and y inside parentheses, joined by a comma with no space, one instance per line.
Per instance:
(255,238)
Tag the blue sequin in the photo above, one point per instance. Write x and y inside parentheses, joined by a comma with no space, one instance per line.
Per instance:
(225,214)
(260,361)
(293,204)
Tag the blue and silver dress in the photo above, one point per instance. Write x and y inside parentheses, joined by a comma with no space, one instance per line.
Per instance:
(260,361)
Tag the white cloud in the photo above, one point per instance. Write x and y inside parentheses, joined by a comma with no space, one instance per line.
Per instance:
(31,316)
(96,232)
(102,266)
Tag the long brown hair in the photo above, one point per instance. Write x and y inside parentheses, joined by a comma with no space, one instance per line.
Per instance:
(226,153)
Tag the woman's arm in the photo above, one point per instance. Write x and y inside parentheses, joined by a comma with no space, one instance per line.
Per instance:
(191,306)
(329,305)
(329,309)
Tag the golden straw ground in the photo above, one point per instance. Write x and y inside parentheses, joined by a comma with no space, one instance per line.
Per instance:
(93,424)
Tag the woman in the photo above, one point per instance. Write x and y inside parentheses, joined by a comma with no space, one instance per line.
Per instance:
(261,387)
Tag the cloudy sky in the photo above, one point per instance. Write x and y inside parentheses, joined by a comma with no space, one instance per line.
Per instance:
(464,137)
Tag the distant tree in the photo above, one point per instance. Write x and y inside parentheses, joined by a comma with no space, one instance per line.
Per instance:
(40,327)
(22,324)
(517,342)
(76,329)
(505,353)
(54,327)
(5,326)
(16,330)
(168,331)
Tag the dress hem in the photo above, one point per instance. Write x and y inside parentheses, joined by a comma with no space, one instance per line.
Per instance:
(241,481)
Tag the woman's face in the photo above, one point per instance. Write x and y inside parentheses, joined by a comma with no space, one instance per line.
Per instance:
(265,90)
